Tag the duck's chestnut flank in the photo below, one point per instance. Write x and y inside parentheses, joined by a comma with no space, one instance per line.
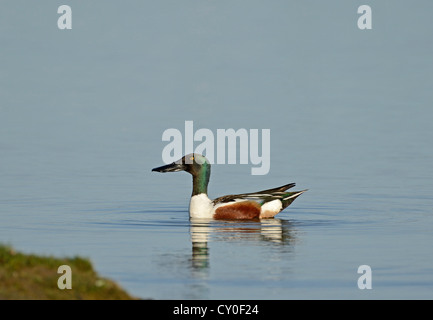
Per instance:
(239,210)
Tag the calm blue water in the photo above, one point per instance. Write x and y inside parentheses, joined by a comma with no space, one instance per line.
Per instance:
(82,113)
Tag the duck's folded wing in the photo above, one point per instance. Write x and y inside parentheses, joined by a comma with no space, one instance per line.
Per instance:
(269,194)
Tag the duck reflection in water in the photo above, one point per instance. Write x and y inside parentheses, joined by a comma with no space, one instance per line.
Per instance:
(203,231)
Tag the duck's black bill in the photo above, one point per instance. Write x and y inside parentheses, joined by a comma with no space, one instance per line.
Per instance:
(172,167)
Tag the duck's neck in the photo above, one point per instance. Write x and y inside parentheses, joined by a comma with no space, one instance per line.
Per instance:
(201,180)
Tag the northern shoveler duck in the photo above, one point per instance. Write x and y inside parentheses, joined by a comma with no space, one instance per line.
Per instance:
(256,205)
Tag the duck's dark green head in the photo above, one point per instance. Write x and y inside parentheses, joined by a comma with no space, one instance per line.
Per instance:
(195,164)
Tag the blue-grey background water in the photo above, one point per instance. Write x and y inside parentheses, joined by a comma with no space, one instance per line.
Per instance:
(82,113)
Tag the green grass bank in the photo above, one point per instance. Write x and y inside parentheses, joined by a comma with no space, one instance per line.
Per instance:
(28,276)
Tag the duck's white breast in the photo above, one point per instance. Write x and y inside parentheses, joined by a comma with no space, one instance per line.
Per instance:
(200,206)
